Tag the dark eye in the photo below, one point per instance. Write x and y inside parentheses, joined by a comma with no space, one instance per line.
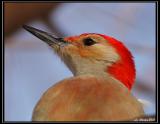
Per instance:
(88,42)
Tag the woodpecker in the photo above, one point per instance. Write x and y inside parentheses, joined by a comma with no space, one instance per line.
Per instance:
(100,89)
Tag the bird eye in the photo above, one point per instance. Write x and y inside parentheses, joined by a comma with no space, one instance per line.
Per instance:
(88,42)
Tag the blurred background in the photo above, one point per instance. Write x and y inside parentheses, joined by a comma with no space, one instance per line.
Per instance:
(31,67)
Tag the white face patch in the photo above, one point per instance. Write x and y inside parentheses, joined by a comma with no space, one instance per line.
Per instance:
(95,65)
(107,52)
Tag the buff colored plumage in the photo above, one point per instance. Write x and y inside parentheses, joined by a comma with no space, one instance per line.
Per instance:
(104,74)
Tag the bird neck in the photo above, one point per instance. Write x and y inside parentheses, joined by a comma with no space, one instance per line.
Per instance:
(119,71)
(82,66)
(96,68)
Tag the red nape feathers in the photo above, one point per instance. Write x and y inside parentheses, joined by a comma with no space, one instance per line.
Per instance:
(124,69)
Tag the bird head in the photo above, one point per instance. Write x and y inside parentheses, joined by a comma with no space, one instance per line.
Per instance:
(93,54)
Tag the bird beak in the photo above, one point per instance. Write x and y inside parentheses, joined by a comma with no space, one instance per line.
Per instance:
(46,37)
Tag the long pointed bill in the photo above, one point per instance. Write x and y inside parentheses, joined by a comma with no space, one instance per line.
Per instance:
(46,37)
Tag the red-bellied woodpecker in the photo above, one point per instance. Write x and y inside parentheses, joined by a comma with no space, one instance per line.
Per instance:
(104,73)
